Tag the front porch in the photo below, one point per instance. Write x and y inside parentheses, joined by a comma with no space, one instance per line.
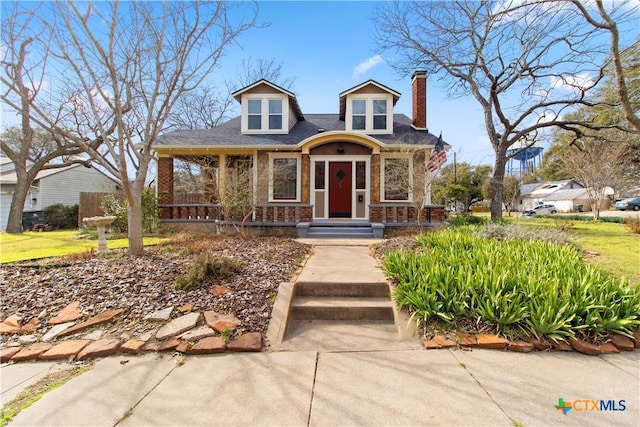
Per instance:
(295,220)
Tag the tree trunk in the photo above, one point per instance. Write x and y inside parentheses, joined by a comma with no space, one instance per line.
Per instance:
(497,186)
(14,223)
(134,219)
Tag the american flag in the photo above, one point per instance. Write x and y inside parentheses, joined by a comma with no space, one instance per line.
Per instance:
(438,156)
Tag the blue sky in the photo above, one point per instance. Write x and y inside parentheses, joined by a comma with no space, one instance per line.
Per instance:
(329,47)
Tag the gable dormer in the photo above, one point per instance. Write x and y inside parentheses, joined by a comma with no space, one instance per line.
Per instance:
(267,108)
(368,108)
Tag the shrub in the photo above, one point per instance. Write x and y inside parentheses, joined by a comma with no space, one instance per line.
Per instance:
(207,268)
(116,205)
(61,216)
(633,224)
(465,218)
(538,287)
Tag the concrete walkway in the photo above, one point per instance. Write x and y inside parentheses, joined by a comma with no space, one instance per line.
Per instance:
(438,387)
(328,387)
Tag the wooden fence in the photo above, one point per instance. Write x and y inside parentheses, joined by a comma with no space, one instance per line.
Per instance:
(89,205)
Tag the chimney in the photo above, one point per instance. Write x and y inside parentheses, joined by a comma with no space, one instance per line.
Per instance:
(419,100)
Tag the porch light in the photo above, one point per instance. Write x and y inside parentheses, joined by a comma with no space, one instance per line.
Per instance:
(340,148)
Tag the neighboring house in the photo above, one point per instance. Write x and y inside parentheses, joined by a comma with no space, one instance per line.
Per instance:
(52,186)
(364,165)
(566,195)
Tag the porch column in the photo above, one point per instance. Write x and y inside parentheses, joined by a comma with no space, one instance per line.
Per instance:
(222,178)
(306,174)
(375,178)
(165,185)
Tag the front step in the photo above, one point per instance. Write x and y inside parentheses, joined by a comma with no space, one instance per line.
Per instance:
(319,232)
(342,308)
(363,290)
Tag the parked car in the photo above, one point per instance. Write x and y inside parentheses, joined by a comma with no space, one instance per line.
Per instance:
(632,203)
(541,210)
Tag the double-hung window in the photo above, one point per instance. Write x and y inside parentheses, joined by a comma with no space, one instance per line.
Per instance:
(254,114)
(264,114)
(380,114)
(359,114)
(284,177)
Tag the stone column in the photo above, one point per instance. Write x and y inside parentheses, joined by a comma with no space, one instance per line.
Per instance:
(306,176)
(165,185)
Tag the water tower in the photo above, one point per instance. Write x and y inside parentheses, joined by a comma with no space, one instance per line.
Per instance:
(524,156)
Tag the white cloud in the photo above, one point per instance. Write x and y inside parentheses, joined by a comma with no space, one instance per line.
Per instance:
(365,66)
(572,82)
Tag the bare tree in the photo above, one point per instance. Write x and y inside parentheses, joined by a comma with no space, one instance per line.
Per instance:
(24,59)
(595,163)
(131,62)
(607,22)
(525,64)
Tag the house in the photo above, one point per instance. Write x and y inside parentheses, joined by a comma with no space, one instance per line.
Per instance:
(568,196)
(52,186)
(364,166)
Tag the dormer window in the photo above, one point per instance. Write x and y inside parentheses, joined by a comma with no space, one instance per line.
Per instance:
(264,114)
(254,114)
(370,113)
(275,114)
(359,116)
(380,114)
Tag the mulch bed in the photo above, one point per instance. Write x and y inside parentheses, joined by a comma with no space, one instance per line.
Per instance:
(143,285)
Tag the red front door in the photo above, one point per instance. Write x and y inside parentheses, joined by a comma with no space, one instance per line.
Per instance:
(339,189)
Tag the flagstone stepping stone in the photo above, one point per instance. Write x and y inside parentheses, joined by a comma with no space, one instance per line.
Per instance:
(491,341)
(608,348)
(221,322)
(185,308)
(67,314)
(178,326)
(64,350)
(28,339)
(94,336)
(584,347)
(160,315)
(466,340)
(7,353)
(95,320)
(56,330)
(439,341)
(132,346)
(100,348)
(198,333)
(29,327)
(209,345)
(622,343)
(10,325)
(31,352)
(251,341)
(169,344)
(183,347)
(219,290)
(521,346)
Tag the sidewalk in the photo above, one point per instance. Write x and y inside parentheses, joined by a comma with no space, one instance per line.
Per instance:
(440,387)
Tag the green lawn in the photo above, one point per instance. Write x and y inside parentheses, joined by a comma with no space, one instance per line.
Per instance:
(34,245)
(618,250)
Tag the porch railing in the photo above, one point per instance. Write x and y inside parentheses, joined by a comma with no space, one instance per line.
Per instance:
(261,214)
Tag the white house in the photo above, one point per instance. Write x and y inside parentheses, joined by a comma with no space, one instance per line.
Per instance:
(51,186)
(565,195)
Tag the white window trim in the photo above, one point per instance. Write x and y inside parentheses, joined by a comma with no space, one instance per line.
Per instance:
(298,157)
(264,111)
(383,158)
(353,160)
(369,98)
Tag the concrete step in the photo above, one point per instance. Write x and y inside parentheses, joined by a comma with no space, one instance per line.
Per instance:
(327,289)
(341,308)
(365,232)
